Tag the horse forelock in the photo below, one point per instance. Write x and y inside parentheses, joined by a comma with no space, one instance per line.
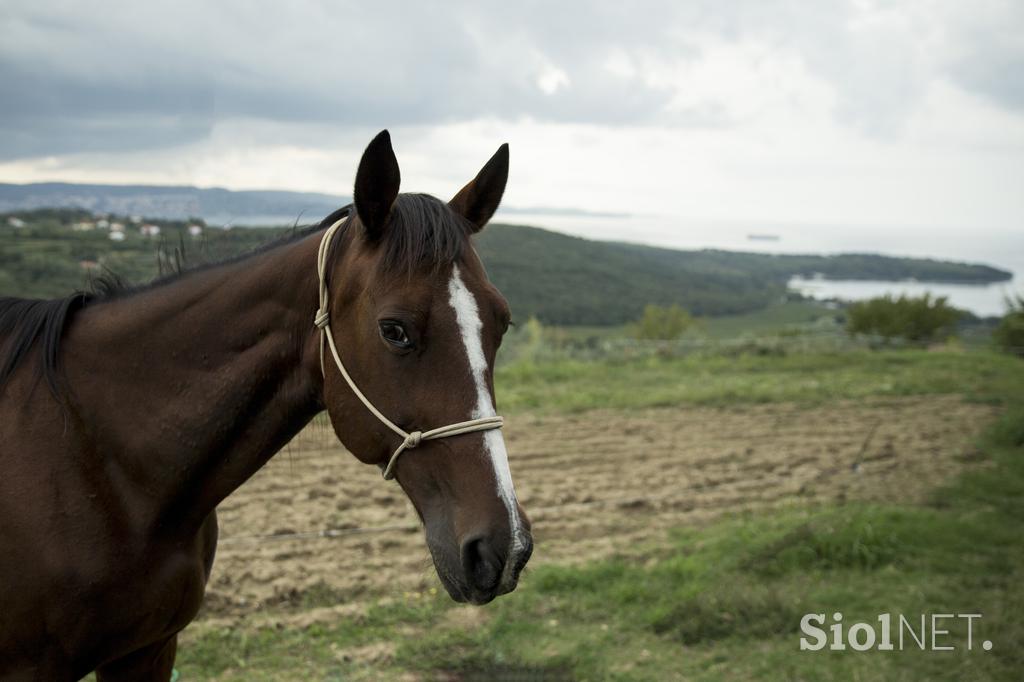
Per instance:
(422,233)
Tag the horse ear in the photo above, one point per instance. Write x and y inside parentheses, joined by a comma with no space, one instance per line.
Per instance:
(377,182)
(478,200)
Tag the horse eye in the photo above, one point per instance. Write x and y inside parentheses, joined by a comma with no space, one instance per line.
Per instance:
(394,333)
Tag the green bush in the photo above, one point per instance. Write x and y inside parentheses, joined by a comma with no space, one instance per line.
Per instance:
(662,323)
(1009,335)
(917,320)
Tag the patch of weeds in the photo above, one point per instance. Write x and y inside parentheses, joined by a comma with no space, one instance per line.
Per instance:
(556,579)
(482,671)
(1009,430)
(731,610)
(865,539)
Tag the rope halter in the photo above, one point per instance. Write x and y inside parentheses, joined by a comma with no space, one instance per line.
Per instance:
(410,440)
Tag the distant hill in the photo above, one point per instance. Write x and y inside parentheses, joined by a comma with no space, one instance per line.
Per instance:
(559,278)
(213,204)
(570,280)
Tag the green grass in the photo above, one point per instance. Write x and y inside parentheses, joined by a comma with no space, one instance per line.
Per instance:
(316,652)
(780,317)
(724,601)
(571,385)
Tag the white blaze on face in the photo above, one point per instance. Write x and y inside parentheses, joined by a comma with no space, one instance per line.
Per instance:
(467,316)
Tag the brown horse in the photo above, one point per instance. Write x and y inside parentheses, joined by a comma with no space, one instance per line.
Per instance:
(126,416)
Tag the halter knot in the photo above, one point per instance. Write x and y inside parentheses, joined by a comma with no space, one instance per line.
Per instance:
(413,440)
(321,319)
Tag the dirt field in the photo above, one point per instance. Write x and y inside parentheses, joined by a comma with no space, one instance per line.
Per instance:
(594,484)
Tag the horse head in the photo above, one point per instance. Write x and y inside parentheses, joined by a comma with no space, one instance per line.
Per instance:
(413,324)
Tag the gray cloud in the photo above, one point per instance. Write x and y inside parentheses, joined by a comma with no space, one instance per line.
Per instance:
(78,80)
(80,77)
(999,77)
(989,57)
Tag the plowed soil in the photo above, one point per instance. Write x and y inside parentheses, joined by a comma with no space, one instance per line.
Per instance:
(316,534)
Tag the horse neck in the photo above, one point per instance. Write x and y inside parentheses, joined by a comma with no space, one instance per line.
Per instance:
(188,388)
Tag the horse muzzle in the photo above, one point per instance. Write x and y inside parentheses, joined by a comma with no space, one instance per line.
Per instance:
(485,568)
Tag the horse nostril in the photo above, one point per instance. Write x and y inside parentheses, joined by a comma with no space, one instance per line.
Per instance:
(481,564)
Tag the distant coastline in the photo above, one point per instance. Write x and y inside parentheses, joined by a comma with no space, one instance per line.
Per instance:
(712,268)
(217,206)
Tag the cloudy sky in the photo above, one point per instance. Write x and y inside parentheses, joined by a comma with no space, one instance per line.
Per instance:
(861,112)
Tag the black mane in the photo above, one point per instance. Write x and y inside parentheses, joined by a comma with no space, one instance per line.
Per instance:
(27,322)
(422,230)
